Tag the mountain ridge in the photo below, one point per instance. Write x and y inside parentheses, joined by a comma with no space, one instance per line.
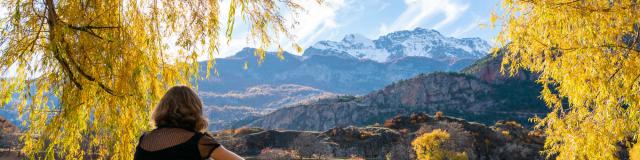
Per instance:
(329,71)
(419,42)
(484,97)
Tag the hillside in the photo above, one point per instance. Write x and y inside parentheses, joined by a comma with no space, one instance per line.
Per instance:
(225,109)
(479,94)
(503,140)
(355,65)
(349,66)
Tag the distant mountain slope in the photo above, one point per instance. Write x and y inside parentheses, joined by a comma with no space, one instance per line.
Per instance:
(225,109)
(477,95)
(354,66)
(350,66)
(328,73)
(264,96)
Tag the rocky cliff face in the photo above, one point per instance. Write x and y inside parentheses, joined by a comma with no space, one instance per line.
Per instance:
(8,134)
(488,69)
(504,140)
(480,94)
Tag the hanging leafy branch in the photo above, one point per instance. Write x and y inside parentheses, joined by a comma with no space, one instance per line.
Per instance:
(87,73)
(588,57)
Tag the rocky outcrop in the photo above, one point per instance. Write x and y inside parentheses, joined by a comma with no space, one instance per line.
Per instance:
(8,134)
(504,140)
(479,94)
(9,140)
(488,69)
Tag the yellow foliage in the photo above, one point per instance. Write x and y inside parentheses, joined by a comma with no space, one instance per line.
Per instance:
(429,146)
(587,55)
(100,66)
(634,152)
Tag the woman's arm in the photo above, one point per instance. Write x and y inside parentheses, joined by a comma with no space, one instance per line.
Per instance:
(222,153)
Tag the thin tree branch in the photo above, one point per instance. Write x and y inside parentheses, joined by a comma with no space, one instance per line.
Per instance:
(614,74)
(588,47)
(35,40)
(85,29)
(66,68)
(85,74)
(51,21)
(89,29)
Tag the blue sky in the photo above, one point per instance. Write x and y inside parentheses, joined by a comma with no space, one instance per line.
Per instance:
(334,19)
(372,18)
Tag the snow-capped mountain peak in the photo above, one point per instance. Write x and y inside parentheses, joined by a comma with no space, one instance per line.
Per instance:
(419,42)
(351,46)
(358,40)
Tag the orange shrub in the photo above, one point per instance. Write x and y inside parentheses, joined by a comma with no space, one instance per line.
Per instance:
(438,115)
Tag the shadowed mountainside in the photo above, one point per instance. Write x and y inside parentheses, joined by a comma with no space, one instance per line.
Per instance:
(479,94)
(355,65)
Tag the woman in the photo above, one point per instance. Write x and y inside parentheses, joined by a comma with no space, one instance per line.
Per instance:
(180,132)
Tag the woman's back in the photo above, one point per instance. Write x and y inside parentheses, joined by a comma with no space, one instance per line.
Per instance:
(175,143)
(180,123)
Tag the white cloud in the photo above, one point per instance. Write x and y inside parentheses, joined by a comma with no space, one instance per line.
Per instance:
(452,13)
(238,41)
(316,20)
(419,11)
(460,31)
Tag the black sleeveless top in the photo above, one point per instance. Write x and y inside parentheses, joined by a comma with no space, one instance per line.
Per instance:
(194,148)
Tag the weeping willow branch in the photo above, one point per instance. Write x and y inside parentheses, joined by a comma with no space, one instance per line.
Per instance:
(85,74)
(51,21)
(89,29)
(118,82)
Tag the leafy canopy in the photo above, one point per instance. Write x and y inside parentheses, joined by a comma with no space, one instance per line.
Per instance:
(587,53)
(430,146)
(88,72)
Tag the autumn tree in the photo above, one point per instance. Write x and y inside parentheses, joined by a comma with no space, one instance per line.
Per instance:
(87,73)
(431,146)
(587,53)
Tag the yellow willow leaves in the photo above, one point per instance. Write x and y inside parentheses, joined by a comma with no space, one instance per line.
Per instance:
(588,55)
(429,146)
(88,73)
